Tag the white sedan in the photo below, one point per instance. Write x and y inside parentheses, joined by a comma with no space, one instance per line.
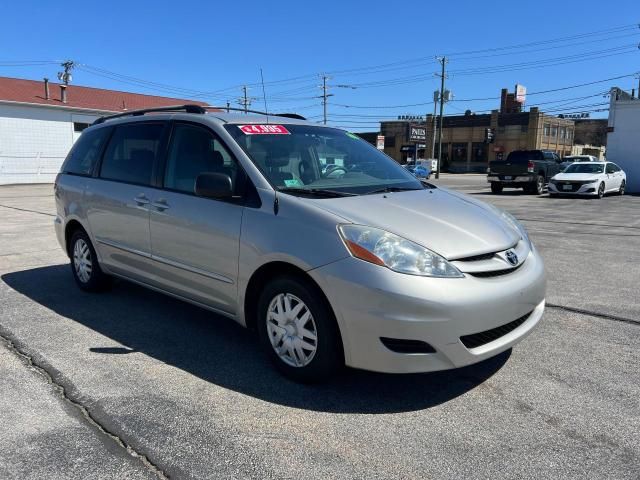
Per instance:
(589,178)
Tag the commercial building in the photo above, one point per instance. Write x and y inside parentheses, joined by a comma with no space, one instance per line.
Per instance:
(623,138)
(463,138)
(40,121)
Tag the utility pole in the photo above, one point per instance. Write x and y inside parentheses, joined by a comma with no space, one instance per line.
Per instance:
(324,97)
(325,94)
(228,106)
(245,101)
(65,76)
(443,61)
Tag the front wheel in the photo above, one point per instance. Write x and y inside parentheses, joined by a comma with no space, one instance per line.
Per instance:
(84,263)
(601,190)
(623,186)
(496,187)
(298,330)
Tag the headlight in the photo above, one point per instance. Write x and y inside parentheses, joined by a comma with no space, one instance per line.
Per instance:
(591,180)
(513,221)
(396,253)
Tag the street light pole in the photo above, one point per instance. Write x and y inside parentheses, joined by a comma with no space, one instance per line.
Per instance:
(443,62)
(433,119)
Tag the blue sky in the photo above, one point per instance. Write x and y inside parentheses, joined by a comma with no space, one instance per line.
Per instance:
(207,50)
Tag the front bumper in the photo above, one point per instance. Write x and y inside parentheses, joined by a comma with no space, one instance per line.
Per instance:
(585,189)
(371,302)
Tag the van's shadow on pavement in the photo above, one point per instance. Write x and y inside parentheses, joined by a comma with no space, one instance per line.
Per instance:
(220,351)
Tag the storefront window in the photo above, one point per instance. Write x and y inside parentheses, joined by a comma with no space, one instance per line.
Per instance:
(459,152)
(547,129)
(479,152)
(554,131)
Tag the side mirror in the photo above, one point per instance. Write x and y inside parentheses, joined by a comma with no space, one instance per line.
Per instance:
(214,185)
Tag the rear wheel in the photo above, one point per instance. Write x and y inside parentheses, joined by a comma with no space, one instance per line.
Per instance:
(496,187)
(623,186)
(84,263)
(601,190)
(298,331)
(538,187)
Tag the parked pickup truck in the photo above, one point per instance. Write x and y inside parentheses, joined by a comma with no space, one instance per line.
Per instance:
(527,169)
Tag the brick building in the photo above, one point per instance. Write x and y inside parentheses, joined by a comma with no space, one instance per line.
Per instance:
(463,137)
(40,121)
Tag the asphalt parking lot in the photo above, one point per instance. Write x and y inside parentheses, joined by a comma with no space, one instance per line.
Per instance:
(133,384)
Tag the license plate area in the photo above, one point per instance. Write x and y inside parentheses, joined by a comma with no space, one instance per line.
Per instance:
(567,187)
(508,177)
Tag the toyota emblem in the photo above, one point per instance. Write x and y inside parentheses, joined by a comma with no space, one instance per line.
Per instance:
(512,258)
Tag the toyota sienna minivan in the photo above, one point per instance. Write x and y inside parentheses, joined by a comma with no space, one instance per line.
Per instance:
(307,234)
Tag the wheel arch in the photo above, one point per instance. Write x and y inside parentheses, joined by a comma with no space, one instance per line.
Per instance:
(267,272)
(69,229)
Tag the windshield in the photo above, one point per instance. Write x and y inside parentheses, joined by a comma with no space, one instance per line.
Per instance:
(585,168)
(576,159)
(303,157)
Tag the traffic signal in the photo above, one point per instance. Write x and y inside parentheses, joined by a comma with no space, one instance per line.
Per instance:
(489,136)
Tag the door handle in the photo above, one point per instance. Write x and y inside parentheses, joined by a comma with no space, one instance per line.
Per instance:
(141,199)
(160,204)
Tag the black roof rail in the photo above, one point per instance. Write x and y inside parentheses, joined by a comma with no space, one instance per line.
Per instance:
(258,112)
(191,108)
(290,115)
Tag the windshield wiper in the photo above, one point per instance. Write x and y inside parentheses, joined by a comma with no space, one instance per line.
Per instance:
(392,189)
(316,192)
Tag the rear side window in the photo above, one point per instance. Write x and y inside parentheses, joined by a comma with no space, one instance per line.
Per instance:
(85,153)
(131,153)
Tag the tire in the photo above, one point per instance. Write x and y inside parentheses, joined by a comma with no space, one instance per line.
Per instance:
(538,187)
(623,186)
(496,187)
(84,264)
(601,190)
(307,360)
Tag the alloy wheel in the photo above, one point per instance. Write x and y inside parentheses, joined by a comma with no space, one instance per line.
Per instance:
(292,330)
(601,190)
(82,260)
(622,187)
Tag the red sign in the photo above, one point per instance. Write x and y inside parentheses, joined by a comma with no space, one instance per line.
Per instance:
(264,130)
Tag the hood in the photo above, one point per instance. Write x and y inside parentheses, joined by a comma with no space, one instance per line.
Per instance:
(576,176)
(448,223)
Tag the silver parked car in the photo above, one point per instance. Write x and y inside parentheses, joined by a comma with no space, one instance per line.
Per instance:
(358,264)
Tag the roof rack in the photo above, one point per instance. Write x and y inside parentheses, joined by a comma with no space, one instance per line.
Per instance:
(191,108)
(258,112)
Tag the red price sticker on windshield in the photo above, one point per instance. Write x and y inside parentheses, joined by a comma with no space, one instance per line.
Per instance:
(264,130)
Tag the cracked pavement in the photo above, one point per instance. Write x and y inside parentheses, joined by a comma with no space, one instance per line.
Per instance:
(189,391)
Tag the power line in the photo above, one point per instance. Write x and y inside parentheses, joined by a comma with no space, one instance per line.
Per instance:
(420,104)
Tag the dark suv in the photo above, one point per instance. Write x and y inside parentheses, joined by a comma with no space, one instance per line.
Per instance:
(526,169)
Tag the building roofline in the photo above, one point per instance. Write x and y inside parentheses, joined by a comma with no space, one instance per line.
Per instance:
(101,89)
(59,107)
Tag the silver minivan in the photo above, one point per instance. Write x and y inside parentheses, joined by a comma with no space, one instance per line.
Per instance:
(307,234)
